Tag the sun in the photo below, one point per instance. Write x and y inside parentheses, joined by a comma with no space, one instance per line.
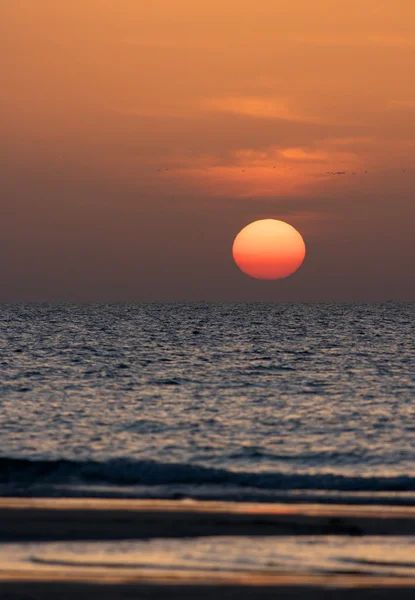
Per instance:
(269,249)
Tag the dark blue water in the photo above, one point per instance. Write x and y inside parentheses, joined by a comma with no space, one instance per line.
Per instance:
(243,401)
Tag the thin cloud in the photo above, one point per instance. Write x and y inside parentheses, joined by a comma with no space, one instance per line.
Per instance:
(302,155)
(255,106)
(351,39)
(266,108)
(401,104)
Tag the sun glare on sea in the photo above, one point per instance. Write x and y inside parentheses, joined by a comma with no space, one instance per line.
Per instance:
(269,249)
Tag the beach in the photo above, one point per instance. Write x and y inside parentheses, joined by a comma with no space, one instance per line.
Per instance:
(247,456)
(282,588)
(207,300)
(61,548)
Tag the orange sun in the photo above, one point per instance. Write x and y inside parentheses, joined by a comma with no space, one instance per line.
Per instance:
(268,249)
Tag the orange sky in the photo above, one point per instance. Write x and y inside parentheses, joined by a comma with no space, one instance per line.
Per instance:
(142,136)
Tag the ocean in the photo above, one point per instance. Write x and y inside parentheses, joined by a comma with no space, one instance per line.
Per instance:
(242,402)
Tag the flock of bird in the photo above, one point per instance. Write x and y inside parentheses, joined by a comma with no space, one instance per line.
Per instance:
(327,172)
(353,173)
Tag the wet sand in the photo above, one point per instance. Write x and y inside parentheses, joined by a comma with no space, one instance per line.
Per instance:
(283,588)
(102,519)
(93,519)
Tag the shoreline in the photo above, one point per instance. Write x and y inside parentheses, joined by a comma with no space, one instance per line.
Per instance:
(63,519)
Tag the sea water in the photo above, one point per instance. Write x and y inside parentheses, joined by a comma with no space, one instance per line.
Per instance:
(204,400)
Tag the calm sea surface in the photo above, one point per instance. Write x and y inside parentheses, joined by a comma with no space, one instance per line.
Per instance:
(233,401)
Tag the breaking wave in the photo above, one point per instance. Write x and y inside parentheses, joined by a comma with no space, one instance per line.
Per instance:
(122,472)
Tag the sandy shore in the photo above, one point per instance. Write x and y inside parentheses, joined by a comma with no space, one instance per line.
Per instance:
(101,519)
(98,519)
(306,588)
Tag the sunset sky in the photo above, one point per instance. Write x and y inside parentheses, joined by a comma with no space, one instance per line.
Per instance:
(139,137)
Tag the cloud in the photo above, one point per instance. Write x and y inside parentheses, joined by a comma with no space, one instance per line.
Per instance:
(401,104)
(252,106)
(350,39)
(304,155)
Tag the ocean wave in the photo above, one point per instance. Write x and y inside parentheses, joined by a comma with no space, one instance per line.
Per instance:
(123,472)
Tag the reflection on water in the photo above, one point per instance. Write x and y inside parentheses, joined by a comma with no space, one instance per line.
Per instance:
(392,556)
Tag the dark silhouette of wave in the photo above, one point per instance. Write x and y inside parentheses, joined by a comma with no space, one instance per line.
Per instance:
(123,472)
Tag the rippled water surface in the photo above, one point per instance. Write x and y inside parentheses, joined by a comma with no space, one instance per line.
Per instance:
(242,397)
